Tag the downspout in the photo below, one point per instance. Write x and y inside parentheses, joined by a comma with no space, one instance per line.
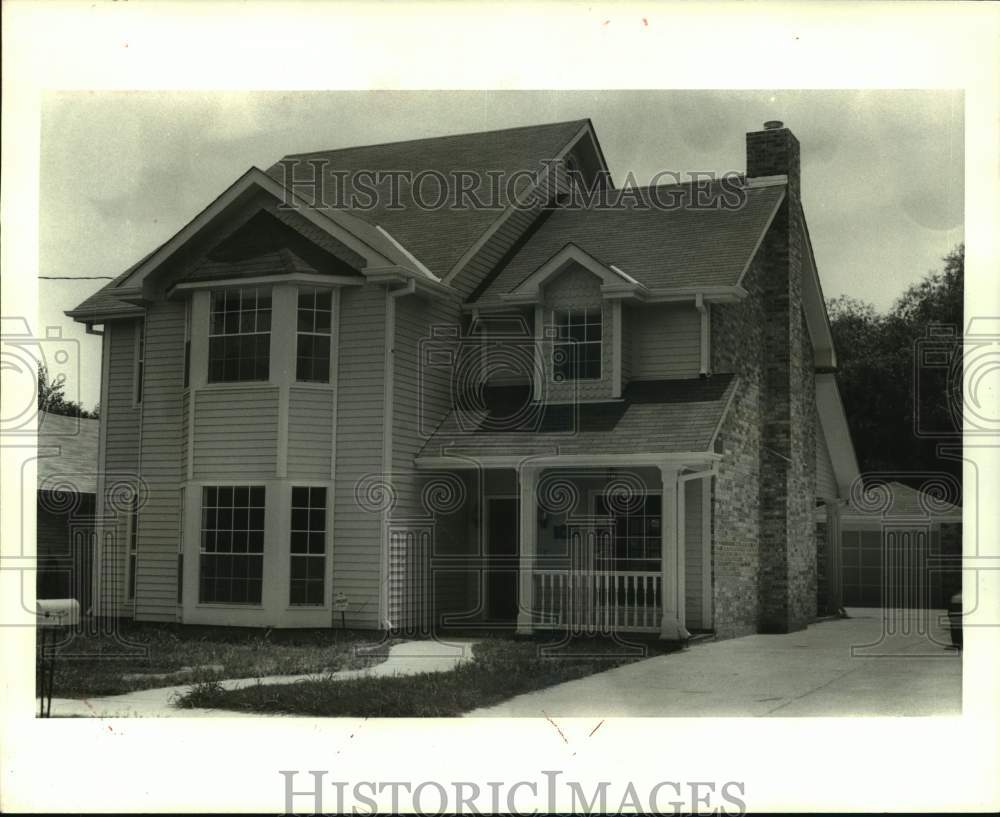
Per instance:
(703,311)
(387,419)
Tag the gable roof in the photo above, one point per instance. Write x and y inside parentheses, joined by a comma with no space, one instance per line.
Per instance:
(67,453)
(653,417)
(428,242)
(437,237)
(681,247)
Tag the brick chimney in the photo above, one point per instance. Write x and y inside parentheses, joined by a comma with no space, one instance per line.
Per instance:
(788,463)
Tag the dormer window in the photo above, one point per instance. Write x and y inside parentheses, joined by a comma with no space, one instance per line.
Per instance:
(577,350)
(239,335)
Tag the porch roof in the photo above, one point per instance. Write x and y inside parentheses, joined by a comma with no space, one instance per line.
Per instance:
(653,417)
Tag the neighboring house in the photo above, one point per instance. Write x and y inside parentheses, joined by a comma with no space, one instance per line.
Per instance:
(67,485)
(530,415)
(900,547)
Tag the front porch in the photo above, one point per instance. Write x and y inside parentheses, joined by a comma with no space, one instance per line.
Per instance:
(588,549)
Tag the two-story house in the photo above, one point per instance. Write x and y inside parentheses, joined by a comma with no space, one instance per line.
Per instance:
(528,406)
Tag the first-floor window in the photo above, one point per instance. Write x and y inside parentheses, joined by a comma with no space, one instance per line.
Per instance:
(308,546)
(576,353)
(636,539)
(232,544)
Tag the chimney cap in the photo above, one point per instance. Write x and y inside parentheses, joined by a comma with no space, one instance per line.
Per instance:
(773,124)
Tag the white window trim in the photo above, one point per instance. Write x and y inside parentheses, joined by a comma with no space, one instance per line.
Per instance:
(199,552)
(327,555)
(209,335)
(557,340)
(329,336)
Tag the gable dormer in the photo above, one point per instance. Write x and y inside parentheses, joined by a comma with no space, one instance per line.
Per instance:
(577,309)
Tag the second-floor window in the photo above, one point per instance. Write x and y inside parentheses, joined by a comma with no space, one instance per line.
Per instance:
(576,353)
(239,335)
(312,354)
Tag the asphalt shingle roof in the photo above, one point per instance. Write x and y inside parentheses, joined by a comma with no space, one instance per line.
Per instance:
(661,416)
(437,238)
(904,501)
(684,246)
(67,458)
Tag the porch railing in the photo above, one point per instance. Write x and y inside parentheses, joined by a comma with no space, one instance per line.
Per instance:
(597,601)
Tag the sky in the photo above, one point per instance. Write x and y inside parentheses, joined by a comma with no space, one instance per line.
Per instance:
(882,171)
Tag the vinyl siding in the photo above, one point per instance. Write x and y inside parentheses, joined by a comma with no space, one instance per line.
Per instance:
(162,466)
(421,399)
(121,463)
(310,433)
(236,432)
(826,480)
(694,559)
(666,342)
(361,401)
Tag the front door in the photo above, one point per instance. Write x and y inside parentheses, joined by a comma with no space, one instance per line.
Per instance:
(502,564)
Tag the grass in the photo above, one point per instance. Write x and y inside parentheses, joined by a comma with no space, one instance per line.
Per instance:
(500,669)
(95,665)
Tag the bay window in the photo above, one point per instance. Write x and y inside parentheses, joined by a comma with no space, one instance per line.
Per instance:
(232,544)
(239,335)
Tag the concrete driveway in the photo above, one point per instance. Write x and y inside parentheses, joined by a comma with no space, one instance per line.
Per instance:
(839,667)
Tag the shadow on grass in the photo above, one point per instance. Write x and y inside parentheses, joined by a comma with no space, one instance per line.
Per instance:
(146,656)
(500,669)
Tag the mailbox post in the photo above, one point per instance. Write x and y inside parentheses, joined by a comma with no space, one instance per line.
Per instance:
(52,615)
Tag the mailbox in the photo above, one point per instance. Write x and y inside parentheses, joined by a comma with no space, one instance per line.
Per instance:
(57,612)
(49,614)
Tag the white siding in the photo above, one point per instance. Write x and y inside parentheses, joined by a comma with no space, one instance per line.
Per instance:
(236,432)
(666,342)
(421,398)
(310,432)
(121,458)
(360,406)
(162,466)
(826,480)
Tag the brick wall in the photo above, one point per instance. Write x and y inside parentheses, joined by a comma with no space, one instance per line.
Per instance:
(737,347)
(788,472)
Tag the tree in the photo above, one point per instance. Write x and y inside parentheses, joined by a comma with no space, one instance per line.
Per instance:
(889,388)
(52,398)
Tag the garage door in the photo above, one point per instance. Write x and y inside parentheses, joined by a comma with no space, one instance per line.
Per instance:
(889,568)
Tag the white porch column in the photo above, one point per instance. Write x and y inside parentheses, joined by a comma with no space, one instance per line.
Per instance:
(672,622)
(527,478)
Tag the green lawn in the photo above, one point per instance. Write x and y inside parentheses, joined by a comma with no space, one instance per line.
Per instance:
(500,668)
(91,666)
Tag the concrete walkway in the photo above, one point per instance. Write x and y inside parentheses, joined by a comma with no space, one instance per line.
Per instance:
(825,670)
(407,658)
